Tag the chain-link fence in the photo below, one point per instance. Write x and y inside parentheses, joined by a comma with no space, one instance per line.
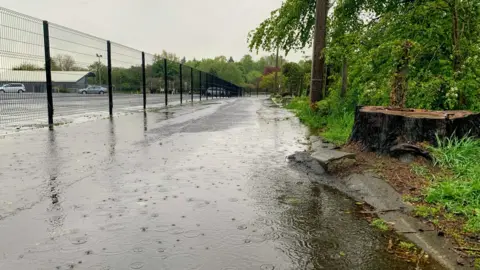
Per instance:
(48,71)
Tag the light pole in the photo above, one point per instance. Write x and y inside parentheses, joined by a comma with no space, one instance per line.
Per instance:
(98,68)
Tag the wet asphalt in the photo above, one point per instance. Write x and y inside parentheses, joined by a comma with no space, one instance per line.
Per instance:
(203,186)
(16,108)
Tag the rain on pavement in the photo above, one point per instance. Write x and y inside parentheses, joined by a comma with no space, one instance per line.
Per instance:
(194,187)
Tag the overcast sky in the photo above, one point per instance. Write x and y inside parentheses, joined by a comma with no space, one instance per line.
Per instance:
(190,28)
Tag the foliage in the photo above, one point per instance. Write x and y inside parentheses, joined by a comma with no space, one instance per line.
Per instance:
(27,66)
(368,37)
(426,211)
(293,77)
(65,62)
(339,127)
(301,107)
(407,246)
(380,224)
(268,81)
(253,76)
(60,62)
(335,127)
(460,193)
(289,27)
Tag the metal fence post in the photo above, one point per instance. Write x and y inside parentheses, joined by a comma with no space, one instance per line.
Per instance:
(165,66)
(191,84)
(181,84)
(200,84)
(216,87)
(109,78)
(48,72)
(144,80)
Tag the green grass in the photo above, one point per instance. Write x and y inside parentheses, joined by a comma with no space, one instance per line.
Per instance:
(460,192)
(339,127)
(334,127)
(407,246)
(426,211)
(380,224)
(310,118)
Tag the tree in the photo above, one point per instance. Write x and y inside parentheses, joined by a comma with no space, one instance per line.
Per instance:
(230,60)
(247,63)
(100,71)
(169,56)
(268,81)
(289,27)
(173,67)
(253,76)
(64,62)
(294,76)
(421,53)
(27,66)
(317,86)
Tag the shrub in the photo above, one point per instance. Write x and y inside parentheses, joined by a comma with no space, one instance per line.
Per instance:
(323,107)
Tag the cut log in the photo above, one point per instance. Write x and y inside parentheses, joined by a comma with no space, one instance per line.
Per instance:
(380,129)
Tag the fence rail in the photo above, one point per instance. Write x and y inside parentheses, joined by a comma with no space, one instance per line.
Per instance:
(48,70)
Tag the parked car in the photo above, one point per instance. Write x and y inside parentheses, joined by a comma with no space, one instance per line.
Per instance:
(12,88)
(170,90)
(93,90)
(215,91)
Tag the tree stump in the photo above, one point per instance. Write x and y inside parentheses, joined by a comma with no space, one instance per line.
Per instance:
(379,129)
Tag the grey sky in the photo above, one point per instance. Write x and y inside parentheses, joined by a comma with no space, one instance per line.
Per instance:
(189,28)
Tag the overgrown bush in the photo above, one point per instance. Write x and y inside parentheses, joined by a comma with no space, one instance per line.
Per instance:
(323,107)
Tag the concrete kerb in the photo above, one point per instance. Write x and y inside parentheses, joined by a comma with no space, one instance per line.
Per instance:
(388,205)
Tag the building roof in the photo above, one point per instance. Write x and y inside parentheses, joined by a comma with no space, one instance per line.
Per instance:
(25,76)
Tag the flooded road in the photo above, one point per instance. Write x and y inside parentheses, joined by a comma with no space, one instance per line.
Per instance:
(197,187)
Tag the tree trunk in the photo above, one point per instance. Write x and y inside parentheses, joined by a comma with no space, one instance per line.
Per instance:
(455,38)
(318,59)
(343,92)
(399,85)
(380,129)
(457,61)
(276,72)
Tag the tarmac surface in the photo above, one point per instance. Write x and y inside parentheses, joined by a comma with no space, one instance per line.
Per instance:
(15,108)
(202,186)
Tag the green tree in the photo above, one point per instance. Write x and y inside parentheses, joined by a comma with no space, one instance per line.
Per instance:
(294,77)
(100,71)
(421,53)
(253,76)
(27,66)
(268,81)
(64,62)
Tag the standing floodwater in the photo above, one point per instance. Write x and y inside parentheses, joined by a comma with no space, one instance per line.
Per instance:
(200,187)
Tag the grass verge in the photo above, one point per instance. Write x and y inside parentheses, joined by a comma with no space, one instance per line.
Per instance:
(458,193)
(335,127)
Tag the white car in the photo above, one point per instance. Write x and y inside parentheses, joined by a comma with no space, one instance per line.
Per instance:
(215,91)
(12,88)
(93,90)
